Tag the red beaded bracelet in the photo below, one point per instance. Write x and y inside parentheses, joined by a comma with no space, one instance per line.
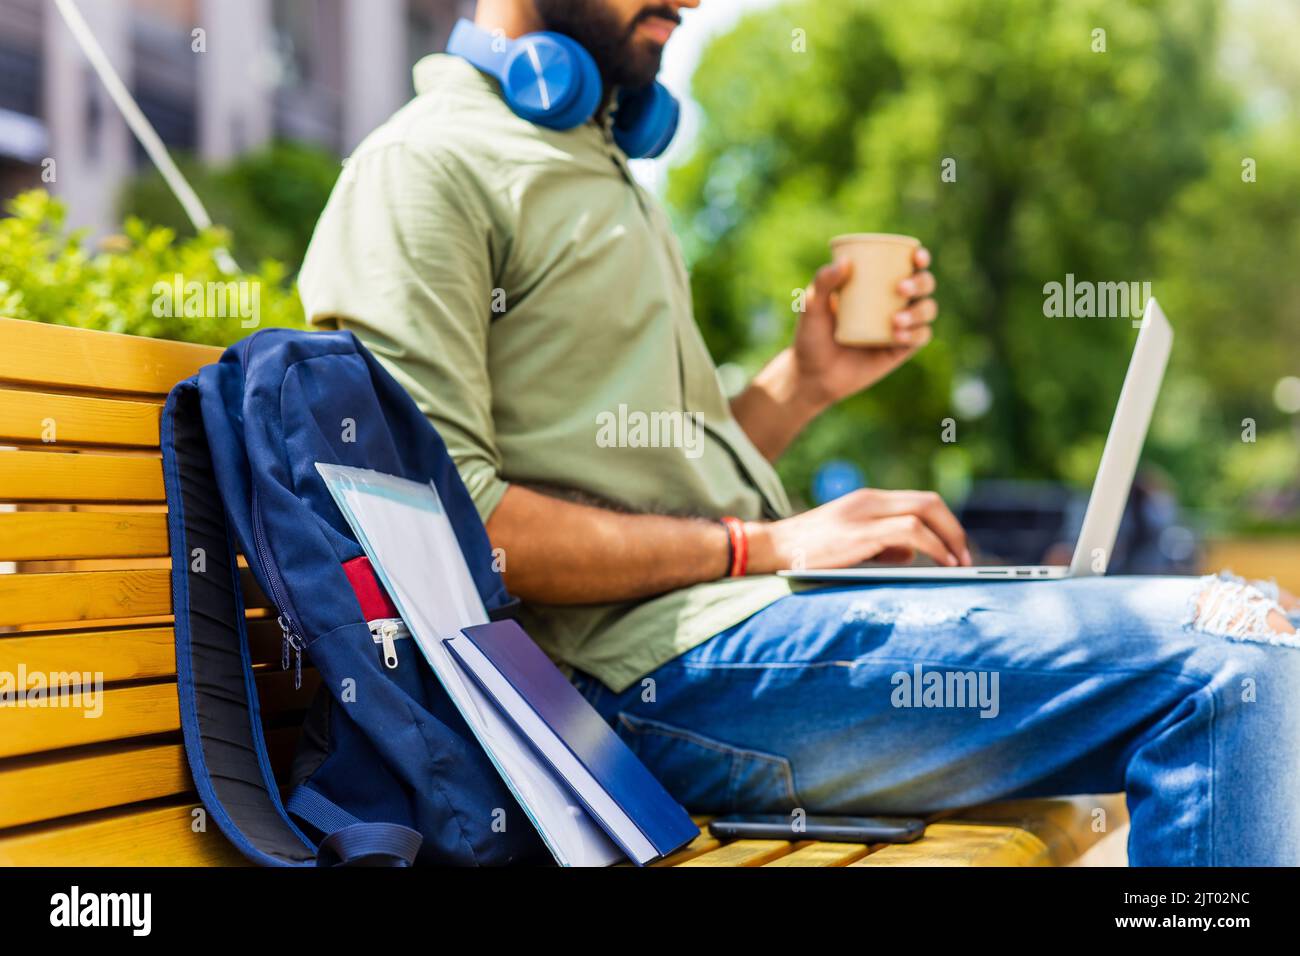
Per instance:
(739,546)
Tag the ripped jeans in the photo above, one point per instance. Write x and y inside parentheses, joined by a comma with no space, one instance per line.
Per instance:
(910,699)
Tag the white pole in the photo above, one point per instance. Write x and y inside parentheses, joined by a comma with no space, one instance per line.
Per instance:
(141,127)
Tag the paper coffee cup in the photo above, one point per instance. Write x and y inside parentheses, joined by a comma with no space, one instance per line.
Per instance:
(870,298)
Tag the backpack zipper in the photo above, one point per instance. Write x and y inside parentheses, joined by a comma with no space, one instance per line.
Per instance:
(290,632)
(386,631)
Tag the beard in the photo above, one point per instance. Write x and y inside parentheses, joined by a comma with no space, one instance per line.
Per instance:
(623,59)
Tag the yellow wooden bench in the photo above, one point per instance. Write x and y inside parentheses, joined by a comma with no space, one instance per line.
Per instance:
(85,589)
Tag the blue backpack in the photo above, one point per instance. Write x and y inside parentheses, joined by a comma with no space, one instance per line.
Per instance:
(388,772)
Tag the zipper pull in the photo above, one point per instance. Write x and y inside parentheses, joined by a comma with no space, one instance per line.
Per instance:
(290,640)
(387,632)
(284,642)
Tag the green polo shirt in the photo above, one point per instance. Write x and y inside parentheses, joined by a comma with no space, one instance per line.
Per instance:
(531,297)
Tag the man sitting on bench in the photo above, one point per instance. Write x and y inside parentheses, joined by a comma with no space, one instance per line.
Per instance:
(530,295)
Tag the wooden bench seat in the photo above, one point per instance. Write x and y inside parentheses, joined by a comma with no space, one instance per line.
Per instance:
(84,588)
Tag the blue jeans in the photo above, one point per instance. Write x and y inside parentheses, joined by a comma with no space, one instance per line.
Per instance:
(910,699)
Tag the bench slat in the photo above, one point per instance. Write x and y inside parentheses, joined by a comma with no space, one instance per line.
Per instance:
(70,596)
(44,791)
(38,354)
(42,417)
(127,712)
(823,854)
(39,788)
(161,836)
(1067,826)
(1256,558)
(59,535)
(56,476)
(964,844)
(120,654)
(1043,832)
(84,595)
(745,853)
(706,842)
(130,712)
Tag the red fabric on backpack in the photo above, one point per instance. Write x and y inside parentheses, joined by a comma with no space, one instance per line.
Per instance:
(374,600)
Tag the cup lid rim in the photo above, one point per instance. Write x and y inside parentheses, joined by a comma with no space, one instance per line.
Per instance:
(874,237)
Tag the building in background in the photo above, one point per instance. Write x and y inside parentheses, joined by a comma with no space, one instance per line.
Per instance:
(217,78)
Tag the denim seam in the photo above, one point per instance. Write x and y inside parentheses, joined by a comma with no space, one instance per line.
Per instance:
(667,730)
(731,781)
(790,665)
(1209,784)
(728,750)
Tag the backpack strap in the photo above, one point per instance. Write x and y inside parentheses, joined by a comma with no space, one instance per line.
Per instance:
(351,842)
(217,695)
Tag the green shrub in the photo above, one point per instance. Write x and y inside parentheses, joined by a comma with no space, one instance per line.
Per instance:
(48,275)
(269,199)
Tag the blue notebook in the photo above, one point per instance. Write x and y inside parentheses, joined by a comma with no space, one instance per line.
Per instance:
(580,748)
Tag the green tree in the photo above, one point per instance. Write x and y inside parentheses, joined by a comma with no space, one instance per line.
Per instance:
(1228,250)
(1068,146)
(268,200)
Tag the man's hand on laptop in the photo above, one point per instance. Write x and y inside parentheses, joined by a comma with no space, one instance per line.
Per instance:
(862,526)
(566,552)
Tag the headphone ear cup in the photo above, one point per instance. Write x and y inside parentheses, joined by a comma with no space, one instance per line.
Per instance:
(550,80)
(646,121)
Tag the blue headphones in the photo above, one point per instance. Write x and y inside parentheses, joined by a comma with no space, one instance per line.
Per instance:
(551,80)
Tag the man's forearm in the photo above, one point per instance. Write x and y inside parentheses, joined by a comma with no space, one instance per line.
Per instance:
(773,410)
(561,552)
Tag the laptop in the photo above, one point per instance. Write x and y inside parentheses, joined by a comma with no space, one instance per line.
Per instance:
(1110,490)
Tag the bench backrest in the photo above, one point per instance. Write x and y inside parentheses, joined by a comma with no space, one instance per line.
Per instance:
(85,602)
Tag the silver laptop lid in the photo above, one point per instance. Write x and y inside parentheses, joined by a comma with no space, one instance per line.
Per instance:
(1128,430)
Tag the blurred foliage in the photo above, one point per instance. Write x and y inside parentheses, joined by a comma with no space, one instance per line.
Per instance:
(1227,252)
(269,200)
(47,275)
(1116,166)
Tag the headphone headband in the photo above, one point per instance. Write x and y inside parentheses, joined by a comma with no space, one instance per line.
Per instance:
(485,50)
(550,79)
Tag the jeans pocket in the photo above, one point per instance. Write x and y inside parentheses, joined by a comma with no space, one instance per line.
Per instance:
(707,775)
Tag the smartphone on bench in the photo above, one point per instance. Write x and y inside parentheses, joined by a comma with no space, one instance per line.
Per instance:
(780,826)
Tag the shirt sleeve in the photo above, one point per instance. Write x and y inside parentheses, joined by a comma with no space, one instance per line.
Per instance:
(404,257)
